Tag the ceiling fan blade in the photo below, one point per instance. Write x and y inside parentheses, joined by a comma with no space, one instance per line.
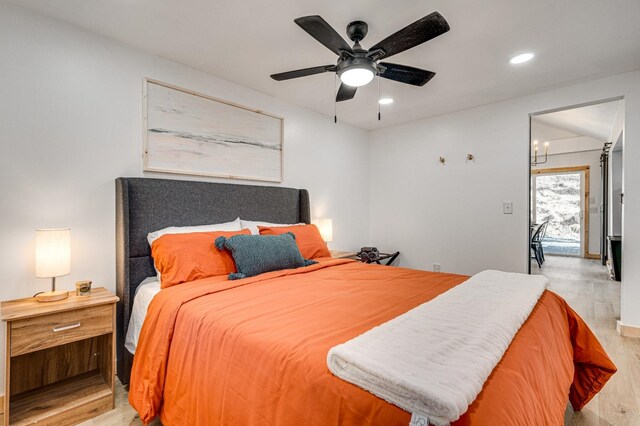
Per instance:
(303,72)
(431,26)
(345,93)
(406,74)
(319,29)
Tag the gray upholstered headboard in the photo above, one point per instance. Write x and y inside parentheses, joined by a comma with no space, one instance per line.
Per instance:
(145,205)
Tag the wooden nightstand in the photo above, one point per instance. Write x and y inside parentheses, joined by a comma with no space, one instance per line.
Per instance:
(337,254)
(60,359)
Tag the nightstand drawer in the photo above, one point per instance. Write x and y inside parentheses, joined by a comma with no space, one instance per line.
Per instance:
(36,333)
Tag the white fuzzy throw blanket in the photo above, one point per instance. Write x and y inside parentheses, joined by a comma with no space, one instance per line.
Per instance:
(435,358)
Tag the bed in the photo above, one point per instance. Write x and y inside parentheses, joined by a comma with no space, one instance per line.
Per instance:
(197,363)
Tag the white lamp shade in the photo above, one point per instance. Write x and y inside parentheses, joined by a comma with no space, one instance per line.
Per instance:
(53,252)
(326,229)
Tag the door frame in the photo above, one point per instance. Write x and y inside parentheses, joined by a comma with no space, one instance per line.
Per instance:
(527,246)
(585,200)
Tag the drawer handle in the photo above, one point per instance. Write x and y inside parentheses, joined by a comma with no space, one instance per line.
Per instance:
(66,327)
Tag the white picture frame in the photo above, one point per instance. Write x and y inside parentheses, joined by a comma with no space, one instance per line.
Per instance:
(190,133)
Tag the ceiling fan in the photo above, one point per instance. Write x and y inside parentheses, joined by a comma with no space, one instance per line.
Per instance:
(357,66)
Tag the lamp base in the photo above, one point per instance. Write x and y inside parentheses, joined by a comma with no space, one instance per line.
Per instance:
(51,296)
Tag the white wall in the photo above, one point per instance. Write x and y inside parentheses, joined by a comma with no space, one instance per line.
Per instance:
(452,214)
(591,159)
(71,122)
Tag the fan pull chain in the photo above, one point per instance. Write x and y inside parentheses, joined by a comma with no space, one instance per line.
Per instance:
(379,115)
(335,100)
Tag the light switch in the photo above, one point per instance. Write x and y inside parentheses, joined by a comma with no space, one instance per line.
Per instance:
(592,200)
(507,207)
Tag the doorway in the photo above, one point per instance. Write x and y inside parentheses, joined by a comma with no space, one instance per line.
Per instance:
(567,180)
(559,197)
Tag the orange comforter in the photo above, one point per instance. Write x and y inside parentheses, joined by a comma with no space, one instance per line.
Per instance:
(253,351)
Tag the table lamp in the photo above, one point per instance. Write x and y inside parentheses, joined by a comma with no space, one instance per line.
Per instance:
(53,259)
(326,229)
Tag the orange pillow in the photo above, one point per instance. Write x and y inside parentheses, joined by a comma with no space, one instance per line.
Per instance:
(308,239)
(182,258)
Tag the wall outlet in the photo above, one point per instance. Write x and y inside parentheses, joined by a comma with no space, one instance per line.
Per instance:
(507,207)
(436,267)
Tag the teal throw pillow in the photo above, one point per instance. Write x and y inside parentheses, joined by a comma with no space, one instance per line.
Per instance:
(257,254)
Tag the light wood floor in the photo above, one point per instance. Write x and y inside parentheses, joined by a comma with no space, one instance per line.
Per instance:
(585,285)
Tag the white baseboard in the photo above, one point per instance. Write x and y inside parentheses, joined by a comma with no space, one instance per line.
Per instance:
(627,330)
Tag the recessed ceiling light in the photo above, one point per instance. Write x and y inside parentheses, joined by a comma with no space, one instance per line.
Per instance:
(385,101)
(521,59)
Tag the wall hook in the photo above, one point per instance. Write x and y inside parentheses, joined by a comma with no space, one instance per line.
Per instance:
(442,160)
(470,157)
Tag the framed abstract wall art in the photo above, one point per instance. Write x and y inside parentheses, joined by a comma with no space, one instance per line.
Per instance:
(191,133)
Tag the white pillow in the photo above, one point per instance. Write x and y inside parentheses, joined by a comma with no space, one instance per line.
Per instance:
(228,226)
(253,225)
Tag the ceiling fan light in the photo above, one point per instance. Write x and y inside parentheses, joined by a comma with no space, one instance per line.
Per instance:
(356,77)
